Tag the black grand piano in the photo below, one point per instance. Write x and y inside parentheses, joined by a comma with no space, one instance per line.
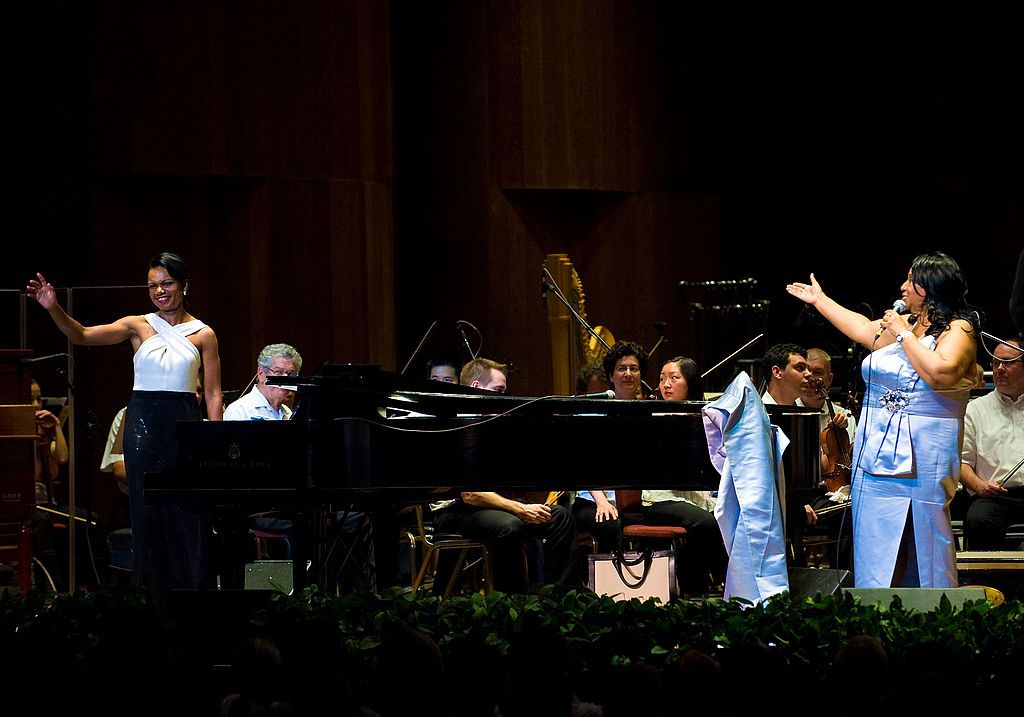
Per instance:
(368,437)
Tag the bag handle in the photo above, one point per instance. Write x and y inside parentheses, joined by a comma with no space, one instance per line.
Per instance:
(621,562)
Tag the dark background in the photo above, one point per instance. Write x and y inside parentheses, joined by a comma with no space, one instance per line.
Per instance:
(341,173)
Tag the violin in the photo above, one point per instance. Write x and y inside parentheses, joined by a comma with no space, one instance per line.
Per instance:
(835,445)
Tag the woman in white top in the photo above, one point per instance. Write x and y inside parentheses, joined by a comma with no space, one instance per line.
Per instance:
(171,345)
(703,559)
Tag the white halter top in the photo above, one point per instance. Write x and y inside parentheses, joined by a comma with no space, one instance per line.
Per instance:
(167,360)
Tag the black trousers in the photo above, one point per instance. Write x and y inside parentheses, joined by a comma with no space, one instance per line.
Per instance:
(505,535)
(987,519)
(702,553)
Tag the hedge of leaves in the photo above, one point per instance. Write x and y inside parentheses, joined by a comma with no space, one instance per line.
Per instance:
(87,635)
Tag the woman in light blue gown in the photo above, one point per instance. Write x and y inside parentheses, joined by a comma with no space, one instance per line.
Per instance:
(907,448)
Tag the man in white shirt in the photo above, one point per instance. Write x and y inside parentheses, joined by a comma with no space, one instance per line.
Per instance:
(993,446)
(788,374)
(265,402)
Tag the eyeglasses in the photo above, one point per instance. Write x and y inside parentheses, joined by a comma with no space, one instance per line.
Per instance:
(627,369)
(281,372)
(996,363)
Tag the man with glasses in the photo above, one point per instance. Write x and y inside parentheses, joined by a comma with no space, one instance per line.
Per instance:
(265,402)
(993,447)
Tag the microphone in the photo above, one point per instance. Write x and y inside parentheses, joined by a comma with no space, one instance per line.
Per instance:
(600,394)
(899,306)
(465,340)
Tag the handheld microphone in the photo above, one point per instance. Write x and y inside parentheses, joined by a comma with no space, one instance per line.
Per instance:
(600,394)
(899,306)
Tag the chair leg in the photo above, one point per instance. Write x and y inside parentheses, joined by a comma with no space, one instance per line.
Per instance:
(488,572)
(455,573)
(429,556)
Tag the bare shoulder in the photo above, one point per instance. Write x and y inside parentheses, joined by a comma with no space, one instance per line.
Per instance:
(962,328)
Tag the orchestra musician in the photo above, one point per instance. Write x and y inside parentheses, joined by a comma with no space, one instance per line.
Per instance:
(919,372)
(505,524)
(170,346)
(993,446)
(836,453)
(443,370)
(702,558)
(624,364)
(592,379)
(51,447)
(789,382)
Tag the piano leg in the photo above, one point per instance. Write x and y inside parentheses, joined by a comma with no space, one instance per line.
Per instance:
(385,524)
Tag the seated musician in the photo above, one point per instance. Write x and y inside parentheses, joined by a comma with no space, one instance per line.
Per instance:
(51,448)
(444,370)
(623,366)
(819,363)
(506,524)
(789,383)
(991,451)
(702,557)
(51,452)
(265,402)
(592,379)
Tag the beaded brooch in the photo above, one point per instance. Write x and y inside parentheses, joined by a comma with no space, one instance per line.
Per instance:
(894,400)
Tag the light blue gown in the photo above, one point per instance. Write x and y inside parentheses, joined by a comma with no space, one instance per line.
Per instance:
(907,459)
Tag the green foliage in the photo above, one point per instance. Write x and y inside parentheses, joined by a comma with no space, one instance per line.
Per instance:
(983,641)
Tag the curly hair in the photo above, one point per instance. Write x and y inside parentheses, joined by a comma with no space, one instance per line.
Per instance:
(620,350)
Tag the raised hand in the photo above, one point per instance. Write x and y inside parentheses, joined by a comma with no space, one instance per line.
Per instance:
(42,291)
(808,293)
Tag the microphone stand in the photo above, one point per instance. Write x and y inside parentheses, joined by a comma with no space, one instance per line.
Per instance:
(661,338)
(465,340)
(553,287)
(734,353)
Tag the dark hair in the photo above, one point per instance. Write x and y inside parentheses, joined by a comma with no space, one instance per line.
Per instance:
(694,383)
(620,350)
(588,372)
(778,355)
(174,264)
(945,291)
(442,361)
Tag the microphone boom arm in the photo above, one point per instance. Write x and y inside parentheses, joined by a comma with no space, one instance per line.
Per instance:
(553,288)
(734,353)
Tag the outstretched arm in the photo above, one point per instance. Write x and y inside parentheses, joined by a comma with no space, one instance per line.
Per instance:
(857,327)
(103,335)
